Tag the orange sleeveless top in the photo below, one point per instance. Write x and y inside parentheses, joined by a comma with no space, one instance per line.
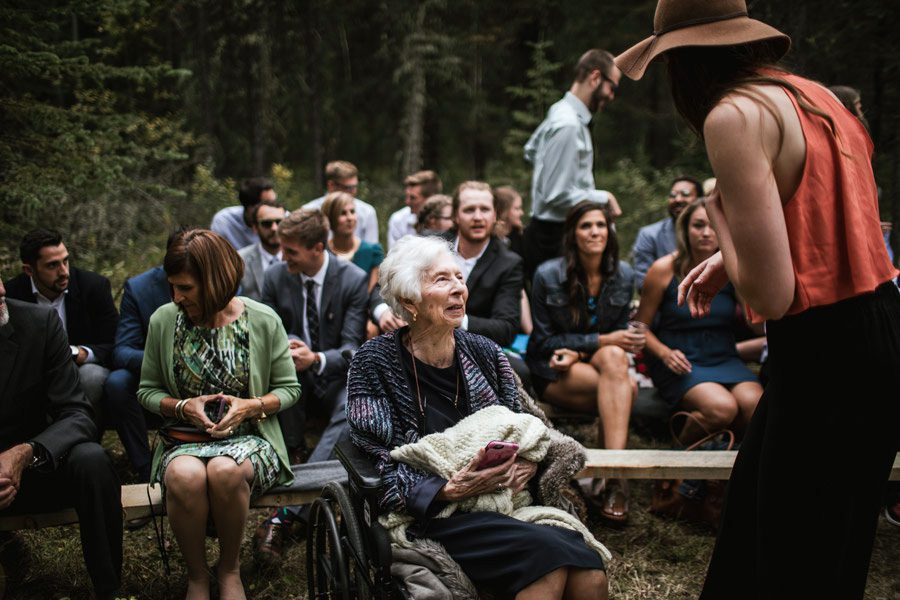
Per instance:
(833,224)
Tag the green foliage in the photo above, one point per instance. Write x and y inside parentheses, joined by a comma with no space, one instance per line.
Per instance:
(535,97)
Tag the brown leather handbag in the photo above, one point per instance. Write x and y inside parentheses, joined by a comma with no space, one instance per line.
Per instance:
(695,500)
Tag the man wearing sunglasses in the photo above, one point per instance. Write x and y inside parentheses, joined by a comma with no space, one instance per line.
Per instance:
(265,218)
(658,239)
(563,157)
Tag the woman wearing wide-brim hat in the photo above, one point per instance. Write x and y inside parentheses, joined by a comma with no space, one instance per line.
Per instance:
(796,214)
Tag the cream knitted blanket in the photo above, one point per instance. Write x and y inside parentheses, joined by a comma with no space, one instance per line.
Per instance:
(447,452)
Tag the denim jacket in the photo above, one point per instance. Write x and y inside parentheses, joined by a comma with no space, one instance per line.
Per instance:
(553,326)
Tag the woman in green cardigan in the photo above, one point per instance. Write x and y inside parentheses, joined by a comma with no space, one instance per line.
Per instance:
(217,367)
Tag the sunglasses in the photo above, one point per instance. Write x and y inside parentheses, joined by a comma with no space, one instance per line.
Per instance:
(682,193)
(267,223)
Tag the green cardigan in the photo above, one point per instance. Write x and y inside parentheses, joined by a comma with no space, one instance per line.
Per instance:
(271,371)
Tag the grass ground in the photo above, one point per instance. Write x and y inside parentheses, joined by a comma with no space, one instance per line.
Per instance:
(653,558)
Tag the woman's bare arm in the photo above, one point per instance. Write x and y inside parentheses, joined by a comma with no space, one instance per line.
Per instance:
(742,141)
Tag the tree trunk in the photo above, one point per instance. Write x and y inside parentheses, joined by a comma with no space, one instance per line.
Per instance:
(414,114)
(313,54)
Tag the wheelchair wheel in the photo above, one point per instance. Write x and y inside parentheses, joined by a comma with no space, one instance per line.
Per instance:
(336,565)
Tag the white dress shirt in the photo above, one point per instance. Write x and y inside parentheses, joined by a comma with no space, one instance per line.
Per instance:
(59,305)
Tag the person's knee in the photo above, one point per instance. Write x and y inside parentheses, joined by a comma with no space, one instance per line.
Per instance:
(611,360)
(600,583)
(186,480)
(720,412)
(120,386)
(224,475)
(88,461)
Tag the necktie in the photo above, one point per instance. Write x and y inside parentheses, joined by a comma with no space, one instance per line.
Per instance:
(312,315)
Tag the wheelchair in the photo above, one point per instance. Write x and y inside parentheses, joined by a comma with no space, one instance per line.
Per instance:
(348,552)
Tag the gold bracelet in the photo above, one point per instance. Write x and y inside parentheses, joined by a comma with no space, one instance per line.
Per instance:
(262,409)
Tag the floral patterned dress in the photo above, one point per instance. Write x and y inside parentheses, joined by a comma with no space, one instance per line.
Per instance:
(212,361)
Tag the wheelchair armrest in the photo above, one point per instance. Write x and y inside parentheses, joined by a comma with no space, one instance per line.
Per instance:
(360,470)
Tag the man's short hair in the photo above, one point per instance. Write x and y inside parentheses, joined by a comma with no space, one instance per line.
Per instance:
(251,188)
(698,187)
(429,180)
(255,211)
(338,170)
(34,240)
(211,260)
(306,226)
(594,60)
(480,186)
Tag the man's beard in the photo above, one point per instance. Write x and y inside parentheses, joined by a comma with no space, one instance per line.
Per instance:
(4,313)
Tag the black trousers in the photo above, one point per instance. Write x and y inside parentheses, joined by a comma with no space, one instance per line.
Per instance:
(542,241)
(87,482)
(809,480)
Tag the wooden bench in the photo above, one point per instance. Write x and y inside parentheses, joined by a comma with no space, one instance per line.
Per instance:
(139,502)
(310,478)
(669,464)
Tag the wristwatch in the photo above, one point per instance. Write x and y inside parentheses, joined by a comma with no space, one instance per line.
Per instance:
(38,456)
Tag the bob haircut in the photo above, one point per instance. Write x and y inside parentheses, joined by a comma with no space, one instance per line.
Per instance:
(212,262)
(404,268)
(334,205)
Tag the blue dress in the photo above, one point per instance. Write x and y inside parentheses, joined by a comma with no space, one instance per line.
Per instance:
(708,343)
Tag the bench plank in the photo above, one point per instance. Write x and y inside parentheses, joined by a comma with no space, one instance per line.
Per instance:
(668,464)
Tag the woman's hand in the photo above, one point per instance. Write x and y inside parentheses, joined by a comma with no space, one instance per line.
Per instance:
(563,359)
(239,409)
(194,413)
(701,285)
(626,340)
(524,471)
(469,481)
(676,361)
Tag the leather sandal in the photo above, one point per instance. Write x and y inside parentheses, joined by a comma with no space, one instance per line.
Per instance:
(615,504)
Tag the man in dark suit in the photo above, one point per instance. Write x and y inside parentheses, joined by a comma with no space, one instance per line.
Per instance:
(82,300)
(322,302)
(493,273)
(48,460)
(265,218)
(142,296)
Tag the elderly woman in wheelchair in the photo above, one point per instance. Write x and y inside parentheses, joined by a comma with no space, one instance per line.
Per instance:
(423,402)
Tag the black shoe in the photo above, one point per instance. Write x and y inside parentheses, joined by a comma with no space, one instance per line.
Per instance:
(138,523)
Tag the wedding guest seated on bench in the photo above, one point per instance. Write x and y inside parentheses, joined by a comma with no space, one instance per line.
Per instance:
(694,362)
(48,459)
(222,442)
(577,352)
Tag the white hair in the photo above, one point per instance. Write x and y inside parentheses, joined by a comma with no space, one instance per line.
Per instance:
(402,271)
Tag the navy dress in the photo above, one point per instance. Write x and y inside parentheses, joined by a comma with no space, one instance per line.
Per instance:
(708,343)
(497,552)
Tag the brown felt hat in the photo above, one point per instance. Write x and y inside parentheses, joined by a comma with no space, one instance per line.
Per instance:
(679,23)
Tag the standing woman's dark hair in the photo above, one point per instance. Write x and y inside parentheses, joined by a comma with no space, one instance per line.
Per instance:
(576,278)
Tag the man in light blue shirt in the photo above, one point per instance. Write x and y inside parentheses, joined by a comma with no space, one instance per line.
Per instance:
(563,157)
(233,222)
(658,239)
(343,176)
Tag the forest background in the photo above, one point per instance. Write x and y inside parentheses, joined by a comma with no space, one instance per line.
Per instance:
(122,119)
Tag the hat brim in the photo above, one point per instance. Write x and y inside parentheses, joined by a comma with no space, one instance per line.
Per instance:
(634,61)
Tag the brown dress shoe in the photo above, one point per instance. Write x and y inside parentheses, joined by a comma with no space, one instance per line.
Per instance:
(298,456)
(268,541)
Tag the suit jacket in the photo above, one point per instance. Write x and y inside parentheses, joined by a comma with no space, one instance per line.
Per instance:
(495,290)
(342,309)
(91,315)
(143,294)
(254,275)
(39,384)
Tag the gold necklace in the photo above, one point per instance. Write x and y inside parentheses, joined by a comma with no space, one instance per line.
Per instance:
(412,354)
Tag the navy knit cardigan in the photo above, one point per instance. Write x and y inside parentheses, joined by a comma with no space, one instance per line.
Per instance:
(383,411)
